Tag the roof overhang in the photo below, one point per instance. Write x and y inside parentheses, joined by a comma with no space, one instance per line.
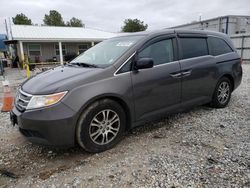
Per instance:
(59,39)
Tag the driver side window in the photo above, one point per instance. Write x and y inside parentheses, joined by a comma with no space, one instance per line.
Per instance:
(161,52)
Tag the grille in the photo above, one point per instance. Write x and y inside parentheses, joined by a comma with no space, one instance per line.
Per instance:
(22,100)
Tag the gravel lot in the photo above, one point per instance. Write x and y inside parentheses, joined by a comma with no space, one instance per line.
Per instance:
(204,147)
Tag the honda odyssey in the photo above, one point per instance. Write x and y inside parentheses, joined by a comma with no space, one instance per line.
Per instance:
(124,82)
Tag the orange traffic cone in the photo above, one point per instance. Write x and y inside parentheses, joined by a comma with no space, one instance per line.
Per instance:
(7,99)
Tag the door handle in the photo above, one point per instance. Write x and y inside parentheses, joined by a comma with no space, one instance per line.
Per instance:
(176,75)
(186,73)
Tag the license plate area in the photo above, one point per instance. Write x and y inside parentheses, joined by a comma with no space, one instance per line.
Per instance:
(13,118)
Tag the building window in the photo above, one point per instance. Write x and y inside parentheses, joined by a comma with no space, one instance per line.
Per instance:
(82,48)
(34,49)
(63,49)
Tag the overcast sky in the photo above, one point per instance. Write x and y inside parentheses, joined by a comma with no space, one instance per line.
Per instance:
(109,15)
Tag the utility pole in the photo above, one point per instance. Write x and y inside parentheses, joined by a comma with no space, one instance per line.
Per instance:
(6,28)
(10,29)
(201,24)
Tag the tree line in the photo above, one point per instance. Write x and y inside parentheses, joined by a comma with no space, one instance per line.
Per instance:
(54,18)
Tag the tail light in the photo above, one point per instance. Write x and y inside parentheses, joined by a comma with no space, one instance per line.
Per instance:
(241,61)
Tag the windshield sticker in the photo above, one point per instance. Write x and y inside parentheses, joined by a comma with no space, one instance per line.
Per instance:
(125,44)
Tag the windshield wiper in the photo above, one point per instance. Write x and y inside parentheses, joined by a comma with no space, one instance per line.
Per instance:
(83,64)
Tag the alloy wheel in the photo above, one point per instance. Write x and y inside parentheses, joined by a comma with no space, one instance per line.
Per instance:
(223,92)
(104,127)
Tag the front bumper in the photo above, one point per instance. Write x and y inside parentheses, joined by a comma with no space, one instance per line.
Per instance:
(54,126)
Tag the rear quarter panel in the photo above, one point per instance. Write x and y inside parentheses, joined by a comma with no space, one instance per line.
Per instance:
(229,64)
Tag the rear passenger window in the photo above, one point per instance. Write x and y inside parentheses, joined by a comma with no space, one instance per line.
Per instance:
(218,46)
(161,52)
(193,47)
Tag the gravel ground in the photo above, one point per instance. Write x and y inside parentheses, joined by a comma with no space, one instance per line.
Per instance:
(204,147)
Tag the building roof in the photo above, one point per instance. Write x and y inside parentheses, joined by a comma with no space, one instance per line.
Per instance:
(2,45)
(198,22)
(54,33)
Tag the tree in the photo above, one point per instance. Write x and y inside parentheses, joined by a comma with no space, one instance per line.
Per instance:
(74,22)
(134,25)
(21,19)
(54,18)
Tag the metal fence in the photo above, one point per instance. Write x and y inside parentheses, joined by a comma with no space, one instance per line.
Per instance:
(242,44)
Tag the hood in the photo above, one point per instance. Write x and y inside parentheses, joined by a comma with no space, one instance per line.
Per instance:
(52,80)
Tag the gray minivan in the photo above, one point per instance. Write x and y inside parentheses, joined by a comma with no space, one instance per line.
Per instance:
(123,82)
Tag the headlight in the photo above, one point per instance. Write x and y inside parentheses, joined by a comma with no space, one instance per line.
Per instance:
(38,101)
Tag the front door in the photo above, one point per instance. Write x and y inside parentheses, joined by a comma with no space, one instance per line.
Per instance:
(157,89)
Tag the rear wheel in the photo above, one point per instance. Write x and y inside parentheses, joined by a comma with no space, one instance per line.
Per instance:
(222,93)
(101,126)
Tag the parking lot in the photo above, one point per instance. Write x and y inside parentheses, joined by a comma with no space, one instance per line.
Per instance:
(204,147)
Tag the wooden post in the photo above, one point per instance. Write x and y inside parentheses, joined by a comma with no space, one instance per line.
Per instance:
(21,51)
(61,53)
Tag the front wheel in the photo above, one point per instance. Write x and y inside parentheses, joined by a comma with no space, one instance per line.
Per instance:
(222,93)
(101,126)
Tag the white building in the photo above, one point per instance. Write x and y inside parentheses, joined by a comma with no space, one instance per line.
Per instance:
(50,43)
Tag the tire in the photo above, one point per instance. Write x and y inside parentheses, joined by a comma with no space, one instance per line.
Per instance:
(101,126)
(222,93)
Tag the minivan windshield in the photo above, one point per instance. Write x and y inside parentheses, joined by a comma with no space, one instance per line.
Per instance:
(105,53)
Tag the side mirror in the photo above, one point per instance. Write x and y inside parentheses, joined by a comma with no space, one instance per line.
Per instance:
(144,63)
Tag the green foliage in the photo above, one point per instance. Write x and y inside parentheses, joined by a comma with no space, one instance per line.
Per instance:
(134,25)
(54,19)
(74,22)
(21,19)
